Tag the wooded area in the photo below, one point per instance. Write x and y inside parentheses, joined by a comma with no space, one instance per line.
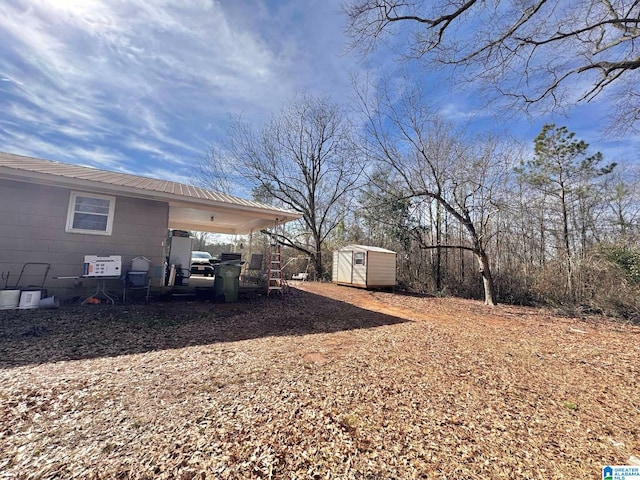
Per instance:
(558,227)
(470,213)
(553,223)
(553,233)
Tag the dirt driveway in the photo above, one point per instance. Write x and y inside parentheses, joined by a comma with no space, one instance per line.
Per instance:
(326,382)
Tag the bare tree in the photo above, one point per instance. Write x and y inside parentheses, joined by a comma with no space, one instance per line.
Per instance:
(434,162)
(214,170)
(549,53)
(623,202)
(304,159)
(201,240)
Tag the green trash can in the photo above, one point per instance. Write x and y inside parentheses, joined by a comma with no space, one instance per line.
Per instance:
(226,282)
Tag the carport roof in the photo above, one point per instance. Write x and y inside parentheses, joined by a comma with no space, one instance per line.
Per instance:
(190,207)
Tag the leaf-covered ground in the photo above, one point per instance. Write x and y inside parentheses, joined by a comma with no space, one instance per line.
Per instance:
(326,383)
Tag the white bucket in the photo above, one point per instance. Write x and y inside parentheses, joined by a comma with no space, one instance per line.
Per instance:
(49,302)
(30,299)
(9,299)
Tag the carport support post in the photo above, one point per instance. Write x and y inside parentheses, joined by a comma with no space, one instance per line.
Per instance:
(244,277)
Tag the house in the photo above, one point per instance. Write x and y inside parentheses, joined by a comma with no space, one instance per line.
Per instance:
(364,266)
(56,213)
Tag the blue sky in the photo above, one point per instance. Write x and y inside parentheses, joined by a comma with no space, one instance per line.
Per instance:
(144,86)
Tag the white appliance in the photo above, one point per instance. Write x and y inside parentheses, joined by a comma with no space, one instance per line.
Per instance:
(95,266)
(180,254)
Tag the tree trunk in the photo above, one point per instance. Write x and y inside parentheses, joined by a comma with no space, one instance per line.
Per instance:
(487,278)
(438,271)
(317,262)
(566,244)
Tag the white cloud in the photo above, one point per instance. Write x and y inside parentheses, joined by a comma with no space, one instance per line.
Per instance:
(458,113)
(150,76)
(143,86)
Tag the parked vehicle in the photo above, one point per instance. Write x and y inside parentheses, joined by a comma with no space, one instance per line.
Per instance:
(202,263)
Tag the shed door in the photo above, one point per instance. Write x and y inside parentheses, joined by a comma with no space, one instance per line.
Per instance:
(344,266)
(359,268)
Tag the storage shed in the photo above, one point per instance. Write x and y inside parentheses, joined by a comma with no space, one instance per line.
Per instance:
(364,266)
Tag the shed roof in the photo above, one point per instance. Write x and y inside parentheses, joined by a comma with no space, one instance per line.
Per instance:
(367,248)
(190,207)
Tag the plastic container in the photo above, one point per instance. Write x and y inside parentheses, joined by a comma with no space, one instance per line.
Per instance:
(9,299)
(29,299)
(226,282)
(49,302)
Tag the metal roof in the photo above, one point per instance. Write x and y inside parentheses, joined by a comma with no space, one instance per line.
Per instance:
(367,248)
(179,195)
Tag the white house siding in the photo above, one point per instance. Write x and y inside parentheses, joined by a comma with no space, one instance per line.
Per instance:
(32,229)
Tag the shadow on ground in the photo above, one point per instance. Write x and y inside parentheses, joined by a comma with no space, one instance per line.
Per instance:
(92,331)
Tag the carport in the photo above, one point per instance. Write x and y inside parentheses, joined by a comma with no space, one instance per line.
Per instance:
(226,215)
(218,213)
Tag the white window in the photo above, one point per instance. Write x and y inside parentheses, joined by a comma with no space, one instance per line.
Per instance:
(90,213)
(359,258)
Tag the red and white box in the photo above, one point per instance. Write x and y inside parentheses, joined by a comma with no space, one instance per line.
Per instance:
(95,266)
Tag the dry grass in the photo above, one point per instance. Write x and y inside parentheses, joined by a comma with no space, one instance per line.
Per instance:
(329,382)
